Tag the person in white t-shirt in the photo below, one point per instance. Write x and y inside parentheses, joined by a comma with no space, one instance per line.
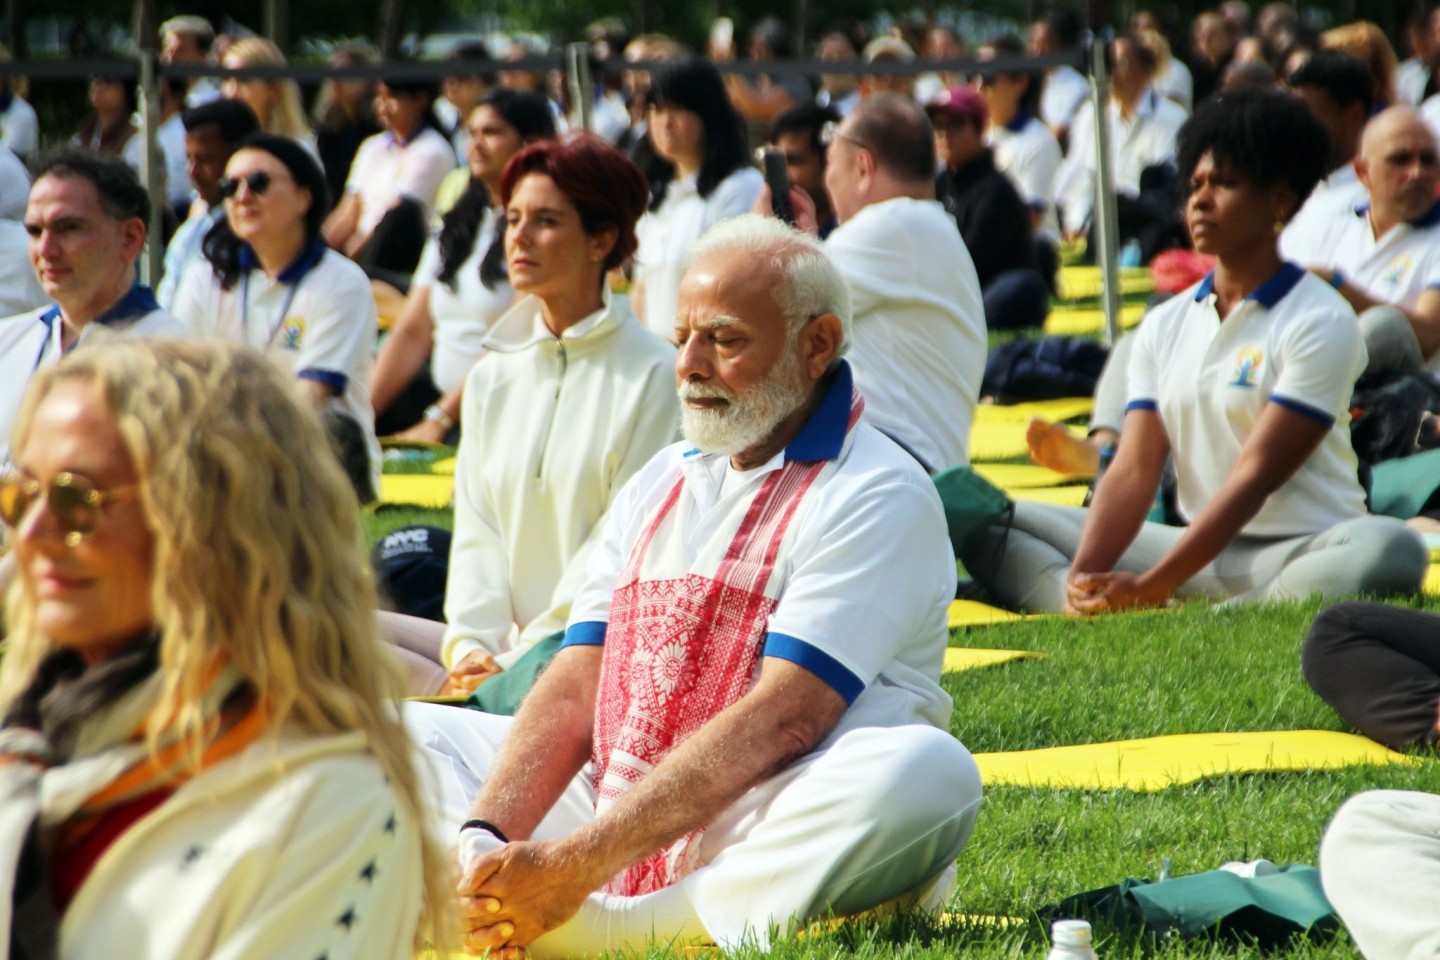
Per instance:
(919,319)
(383,219)
(268,280)
(1025,149)
(19,125)
(695,130)
(1384,256)
(1246,380)
(1338,88)
(460,287)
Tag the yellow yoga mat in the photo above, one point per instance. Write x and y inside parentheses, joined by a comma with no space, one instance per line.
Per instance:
(444,467)
(1065,408)
(1159,762)
(973,613)
(1024,476)
(417,489)
(1432,580)
(1074,321)
(960,659)
(1076,282)
(1072,496)
(1003,439)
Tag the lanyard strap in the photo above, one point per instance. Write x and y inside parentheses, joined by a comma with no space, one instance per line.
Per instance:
(279,320)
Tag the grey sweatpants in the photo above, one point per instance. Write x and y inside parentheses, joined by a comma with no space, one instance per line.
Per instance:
(1027,565)
(1380,865)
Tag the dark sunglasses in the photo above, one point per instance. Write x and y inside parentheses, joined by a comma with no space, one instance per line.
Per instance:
(72,498)
(258,182)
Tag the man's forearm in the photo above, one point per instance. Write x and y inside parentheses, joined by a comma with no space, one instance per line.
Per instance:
(778,722)
(549,742)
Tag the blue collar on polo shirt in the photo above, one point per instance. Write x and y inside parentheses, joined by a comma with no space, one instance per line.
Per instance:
(136,303)
(1429,218)
(1268,294)
(823,435)
(308,260)
(1017,122)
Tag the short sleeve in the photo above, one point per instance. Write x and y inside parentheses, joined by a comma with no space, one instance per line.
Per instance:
(339,325)
(735,195)
(879,575)
(1321,356)
(1143,372)
(422,166)
(428,270)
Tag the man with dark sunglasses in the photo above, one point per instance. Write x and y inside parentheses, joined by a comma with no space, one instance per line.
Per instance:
(86,221)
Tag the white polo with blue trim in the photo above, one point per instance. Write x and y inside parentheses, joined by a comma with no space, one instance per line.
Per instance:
(317,317)
(865,572)
(1293,341)
(1397,268)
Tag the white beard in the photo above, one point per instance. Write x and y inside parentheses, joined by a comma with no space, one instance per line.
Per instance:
(748,419)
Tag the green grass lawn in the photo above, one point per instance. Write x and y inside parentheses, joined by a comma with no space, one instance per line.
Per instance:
(1197,669)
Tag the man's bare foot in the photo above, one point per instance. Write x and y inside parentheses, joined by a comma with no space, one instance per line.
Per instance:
(1052,445)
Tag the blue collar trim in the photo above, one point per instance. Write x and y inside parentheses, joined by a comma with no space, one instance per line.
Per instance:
(308,260)
(134,305)
(1268,294)
(823,435)
(1018,122)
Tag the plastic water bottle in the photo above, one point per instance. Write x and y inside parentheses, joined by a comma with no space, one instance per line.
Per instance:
(1130,253)
(1070,940)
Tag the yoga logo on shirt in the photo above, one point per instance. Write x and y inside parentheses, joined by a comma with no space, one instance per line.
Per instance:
(1247,367)
(292,333)
(1398,272)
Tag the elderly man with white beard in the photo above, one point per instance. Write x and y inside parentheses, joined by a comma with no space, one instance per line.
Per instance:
(744,730)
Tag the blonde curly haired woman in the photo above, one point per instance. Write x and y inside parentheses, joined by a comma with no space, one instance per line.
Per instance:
(196,756)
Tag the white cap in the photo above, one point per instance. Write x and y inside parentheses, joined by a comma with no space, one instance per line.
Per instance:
(1070,933)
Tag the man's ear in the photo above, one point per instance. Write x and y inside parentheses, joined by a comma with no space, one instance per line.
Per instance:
(820,344)
(1362,171)
(132,234)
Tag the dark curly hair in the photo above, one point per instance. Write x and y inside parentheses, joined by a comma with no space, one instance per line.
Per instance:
(1266,136)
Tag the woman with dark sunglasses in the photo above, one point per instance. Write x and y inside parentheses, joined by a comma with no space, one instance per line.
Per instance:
(196,758)
(269,281)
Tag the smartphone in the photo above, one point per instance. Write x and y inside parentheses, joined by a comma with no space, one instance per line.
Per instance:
(777,178)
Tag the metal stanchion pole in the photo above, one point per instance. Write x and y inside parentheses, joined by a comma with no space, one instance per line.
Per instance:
(1107,232)
(151,169)
(582,85)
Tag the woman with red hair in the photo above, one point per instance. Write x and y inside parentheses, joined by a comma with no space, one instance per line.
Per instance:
(574,396)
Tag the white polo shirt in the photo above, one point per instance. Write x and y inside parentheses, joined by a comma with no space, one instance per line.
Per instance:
(462,315)
(666,233)
(1146,139)
(864,576)
(317,318)
(918,337)
(1292,341)
(386,168)
(1397,267)
(1029,154)
(1302,240)
(19,126)
(32,340)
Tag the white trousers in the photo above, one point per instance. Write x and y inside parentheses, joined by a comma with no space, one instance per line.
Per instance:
(871,816)
(1380,864)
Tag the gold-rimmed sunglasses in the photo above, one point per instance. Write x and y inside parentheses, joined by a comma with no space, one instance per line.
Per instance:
(73,499)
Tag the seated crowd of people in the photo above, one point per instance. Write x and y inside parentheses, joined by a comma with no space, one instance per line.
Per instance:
(695,596)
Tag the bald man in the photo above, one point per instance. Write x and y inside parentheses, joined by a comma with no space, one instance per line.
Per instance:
(1384,256)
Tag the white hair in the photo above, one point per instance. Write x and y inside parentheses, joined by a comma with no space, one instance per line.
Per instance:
(810,285)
